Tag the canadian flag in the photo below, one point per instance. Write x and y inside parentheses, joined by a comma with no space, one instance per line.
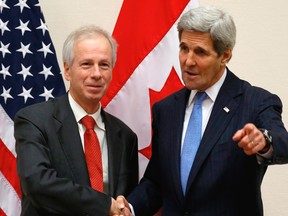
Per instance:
(147,67)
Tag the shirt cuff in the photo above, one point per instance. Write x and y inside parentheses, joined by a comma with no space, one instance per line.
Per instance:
(132,209)
(266,156)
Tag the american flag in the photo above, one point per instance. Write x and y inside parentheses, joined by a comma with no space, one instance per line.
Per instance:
(29,73)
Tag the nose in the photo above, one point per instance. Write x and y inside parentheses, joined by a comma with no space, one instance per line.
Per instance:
(190,59)
(96,72)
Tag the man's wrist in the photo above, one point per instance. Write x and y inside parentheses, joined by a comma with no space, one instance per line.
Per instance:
(268,141)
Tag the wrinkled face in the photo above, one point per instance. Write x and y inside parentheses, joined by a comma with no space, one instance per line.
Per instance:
(201,66)
(91,71)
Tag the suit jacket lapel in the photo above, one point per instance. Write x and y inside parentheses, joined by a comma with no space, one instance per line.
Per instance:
(219,119)
(69,137)
(114,158)
(177,117)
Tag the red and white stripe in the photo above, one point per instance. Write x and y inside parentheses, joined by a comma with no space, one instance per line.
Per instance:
(10,195)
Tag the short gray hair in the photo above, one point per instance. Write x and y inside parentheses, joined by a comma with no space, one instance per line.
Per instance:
(209,19)
(86,32)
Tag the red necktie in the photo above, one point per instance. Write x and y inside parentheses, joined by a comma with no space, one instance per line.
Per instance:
(93,154)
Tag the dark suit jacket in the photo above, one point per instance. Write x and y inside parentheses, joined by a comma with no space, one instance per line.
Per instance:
(223,180)
(51,163)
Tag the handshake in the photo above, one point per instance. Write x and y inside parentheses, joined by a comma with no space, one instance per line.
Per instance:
(120,207)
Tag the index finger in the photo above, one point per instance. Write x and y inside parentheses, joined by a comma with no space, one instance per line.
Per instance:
(238,135)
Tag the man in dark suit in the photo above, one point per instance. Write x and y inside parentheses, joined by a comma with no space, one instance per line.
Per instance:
(50,138)
(242,131)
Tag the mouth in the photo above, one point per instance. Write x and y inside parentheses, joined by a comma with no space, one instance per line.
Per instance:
(191,73)
(94,86)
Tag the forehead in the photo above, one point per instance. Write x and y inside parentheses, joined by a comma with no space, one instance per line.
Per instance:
(92,38)
(191,38)
(92,44)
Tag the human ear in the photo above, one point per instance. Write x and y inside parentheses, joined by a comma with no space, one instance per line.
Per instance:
(66,71)
(227,55)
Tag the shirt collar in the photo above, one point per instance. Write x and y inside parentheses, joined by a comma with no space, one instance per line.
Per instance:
(212,92)
(79,112)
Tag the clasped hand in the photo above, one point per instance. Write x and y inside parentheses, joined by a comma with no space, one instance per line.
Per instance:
(120,207)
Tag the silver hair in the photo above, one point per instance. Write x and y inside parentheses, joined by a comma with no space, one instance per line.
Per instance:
(209,19)
(86,32)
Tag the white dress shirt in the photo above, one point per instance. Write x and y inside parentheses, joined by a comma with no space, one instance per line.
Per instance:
(99,128)
(207,105)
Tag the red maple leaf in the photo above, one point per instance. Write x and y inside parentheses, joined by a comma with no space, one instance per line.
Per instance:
(172,84)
